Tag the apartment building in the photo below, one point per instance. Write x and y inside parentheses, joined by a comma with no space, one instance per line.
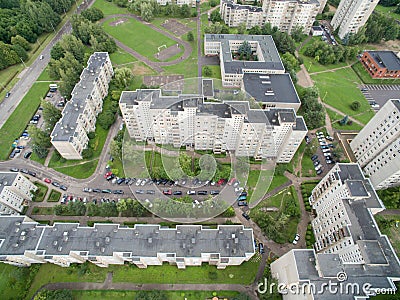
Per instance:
(232,70)
(381,64)
(351,15)
(235,14)
(69,135)
(15,190)
(284,14)
(377,146)
(24,242)
(189,120)
(349,248)
(191,3)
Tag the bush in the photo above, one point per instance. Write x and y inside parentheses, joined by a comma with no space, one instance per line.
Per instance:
(213,275)
(355,105)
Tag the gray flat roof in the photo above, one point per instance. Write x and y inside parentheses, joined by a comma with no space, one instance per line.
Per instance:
(357,188)
(300,124)
(386,59)
(274,88)
(251,8)
(65,127)
(396,103)
(142,240)
(6,179)
(272,60)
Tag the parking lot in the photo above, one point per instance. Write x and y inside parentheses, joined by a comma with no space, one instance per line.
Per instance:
(378,94)
(323,159)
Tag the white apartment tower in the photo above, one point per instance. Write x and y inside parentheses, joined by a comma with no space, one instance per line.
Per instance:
(188,120)
(15,189)
(351,15)
(349,249)
(69,135)
(377,146)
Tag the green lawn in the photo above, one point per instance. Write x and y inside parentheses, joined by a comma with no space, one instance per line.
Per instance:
(40,192)
(19,119)
(367,79)
(307,167)
(44,76)
(339,89)
(36,158)
(136,35)
(258,180)
(243,274)
(216,72)
(387,11)
(121,57)
(54,196)
(335,118)
(109,8)
(80,171)
(390,230)
(171,295)
(38,210)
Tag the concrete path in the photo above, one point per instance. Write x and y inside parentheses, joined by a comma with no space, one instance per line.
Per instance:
(156,65)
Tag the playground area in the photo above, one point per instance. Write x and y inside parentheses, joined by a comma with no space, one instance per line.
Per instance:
(161,80)
(176,27)
(165,53)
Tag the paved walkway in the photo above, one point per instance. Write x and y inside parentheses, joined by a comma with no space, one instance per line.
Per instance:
(156,65)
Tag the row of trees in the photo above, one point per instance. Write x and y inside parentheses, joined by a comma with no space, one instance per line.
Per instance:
(312,111)
(325,53)
(148,9)
(71,209)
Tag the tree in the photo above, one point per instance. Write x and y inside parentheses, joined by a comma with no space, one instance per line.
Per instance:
(146,11)
(106,119)
(116,149)
(151,295)
(215,16)
(207,71)
(312,111)
(19,40)
(92,14)
(39,137)
(190,36)
(123,78)
(87,153)
(185,11)
(355,105)
(51,114)
(245,50)
(298,34)
(241,29)
(389,2)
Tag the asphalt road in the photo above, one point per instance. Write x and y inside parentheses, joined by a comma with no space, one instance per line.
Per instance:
(31,74)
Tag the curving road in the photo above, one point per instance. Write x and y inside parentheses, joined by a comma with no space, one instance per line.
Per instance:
(155,65)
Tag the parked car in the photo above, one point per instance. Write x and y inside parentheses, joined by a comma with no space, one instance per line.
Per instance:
(107,174)
(307,139)
(139,191)
(106,191)
(8,94)
(319,172)
(241,198)
(314,157)
(177,193)
(121,180)
(97,190)
(329,138)
(167,192)
(47,180)
(25,171)
(27,154)
(296,239)
(246,216)
(261,248)
(63,187)
(214,192)
(242,203)
(150,192)
(191,192)
(14,169)
(32,173)
(317,167)
(202,193)
(232,181)
(316,163)
(87,190)
(118,192)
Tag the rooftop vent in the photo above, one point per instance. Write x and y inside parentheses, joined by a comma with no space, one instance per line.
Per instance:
(97,244)
(150,240)
(59,249)
(103,249)
(107,239)
(55,243)
(193,240)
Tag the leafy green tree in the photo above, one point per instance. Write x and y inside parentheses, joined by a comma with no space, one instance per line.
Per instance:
(39,137)
(51,114)
(245,50)
(19,40)
(241,29)
(92,14)
(215,16)
(146,11)
(106,119)
(151,295)
(355,105)
(185,11)
(312,111)
(190,36)
(123,77)
(87,153)
(298,34)
(389,2)
(207,71)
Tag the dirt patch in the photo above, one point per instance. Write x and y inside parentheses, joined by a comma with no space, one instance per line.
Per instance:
(161,80)
(118,22)
(139,68)
(166,53)
(175,27)
(387,45)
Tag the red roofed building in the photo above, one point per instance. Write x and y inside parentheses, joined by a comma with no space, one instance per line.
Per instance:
(381,64)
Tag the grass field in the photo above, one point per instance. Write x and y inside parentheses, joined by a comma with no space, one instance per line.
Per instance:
(121,57)
(392,231)
(367,79)
(339,89)
(171,295)
(79,171)
(54,196)
(387,11)
(335,118)
(40,192)
(109,8)
(141,42)
(19,119)
(38,210)
(216,72)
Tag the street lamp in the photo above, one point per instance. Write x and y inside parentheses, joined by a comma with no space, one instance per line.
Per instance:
(23,62)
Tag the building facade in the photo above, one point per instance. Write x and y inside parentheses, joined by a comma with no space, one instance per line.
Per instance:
(15,190)
(349,248)
(286,15)
(69,135)
(381,64)
(188,120)
(24,242)
(351,15)
(377,146)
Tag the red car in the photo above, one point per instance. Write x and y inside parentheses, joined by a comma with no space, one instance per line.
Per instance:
(221,181)
(47,180)
(232,181)
(107,174)
(167,192)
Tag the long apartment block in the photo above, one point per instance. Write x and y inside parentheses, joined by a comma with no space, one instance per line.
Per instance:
(284,14)
(189,120)
(349,247)
(69,135)
(15,190)
(377,146)
(351,15)
(24,242)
